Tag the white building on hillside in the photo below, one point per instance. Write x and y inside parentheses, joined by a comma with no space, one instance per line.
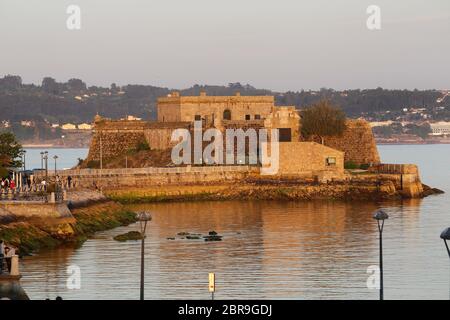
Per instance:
(68,126)
(381,123)
(84,126)
(440,128)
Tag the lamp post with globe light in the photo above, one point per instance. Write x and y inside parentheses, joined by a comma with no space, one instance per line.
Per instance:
(380,216)
(143,217)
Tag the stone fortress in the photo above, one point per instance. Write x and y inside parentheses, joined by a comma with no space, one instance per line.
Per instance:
(297,157)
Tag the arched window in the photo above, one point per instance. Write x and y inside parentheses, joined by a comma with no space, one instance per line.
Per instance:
(227,115)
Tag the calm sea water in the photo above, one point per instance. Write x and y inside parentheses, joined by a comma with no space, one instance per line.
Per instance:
(67,158)
(270,249)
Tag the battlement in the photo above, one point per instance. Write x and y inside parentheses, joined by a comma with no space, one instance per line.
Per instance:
(176,98)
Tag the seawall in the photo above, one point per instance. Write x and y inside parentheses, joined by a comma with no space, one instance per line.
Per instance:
(404,178)
(251,191)
(35,226)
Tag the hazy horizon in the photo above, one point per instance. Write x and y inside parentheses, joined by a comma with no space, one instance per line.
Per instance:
(285,45)
(38,83)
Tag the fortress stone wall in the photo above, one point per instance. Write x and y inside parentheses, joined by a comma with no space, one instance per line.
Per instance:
(213,109)
(116,137)
(357,142)
(311,159)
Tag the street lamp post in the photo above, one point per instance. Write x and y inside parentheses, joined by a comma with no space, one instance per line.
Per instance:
(143,218)
(55,157)
(380,216)
(42,160)
(56,179)
(445,235)
(46,166)
(24,160)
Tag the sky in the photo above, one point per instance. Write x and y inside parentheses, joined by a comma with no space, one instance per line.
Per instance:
(280,44)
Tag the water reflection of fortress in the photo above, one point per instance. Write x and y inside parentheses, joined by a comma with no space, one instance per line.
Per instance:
(292,246)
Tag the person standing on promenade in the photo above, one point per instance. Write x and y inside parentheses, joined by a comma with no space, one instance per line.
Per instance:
(2,254)
(9,253)
(12,186)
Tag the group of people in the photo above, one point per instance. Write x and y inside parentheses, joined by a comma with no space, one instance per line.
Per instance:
(7,184)
(6,253)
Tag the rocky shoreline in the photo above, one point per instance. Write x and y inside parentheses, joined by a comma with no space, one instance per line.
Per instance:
(385,190)
(33,234)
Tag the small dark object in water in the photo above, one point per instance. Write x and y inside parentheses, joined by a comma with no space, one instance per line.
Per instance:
(183,233)
(193,237)
(170,238)
(131,235)
(212,233)
(213,238)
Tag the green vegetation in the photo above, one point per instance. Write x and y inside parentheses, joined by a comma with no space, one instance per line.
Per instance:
(130,197)
(131,235)
(364,166)
(10,152)
(27,237)
(30,237)
(396,128)
(55,101)
(350,165)
(142,146)
(91,220)
(323,120)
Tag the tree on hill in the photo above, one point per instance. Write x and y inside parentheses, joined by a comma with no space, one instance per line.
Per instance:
(76,85)
(10,151)
(323,120)
(50,85)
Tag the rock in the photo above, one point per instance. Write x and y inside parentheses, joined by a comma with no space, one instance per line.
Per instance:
(213,238)
(428,191)
(437,191)
(183,233)
(131,235)
(212,233)
(193,237)
(170,238)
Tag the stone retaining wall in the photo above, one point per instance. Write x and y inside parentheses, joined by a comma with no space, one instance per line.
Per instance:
(34,209)
(142,177)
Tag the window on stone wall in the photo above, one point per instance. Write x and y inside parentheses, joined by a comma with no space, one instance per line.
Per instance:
(198,117)
(257,116)
(227,115)
(331,161)
(285,134)
(247,117)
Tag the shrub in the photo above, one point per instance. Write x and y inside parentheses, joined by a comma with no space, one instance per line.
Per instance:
(3,173)
(364,166)
(350,165)
(142,146)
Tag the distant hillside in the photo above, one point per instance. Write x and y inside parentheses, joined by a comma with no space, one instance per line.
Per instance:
(73,101)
